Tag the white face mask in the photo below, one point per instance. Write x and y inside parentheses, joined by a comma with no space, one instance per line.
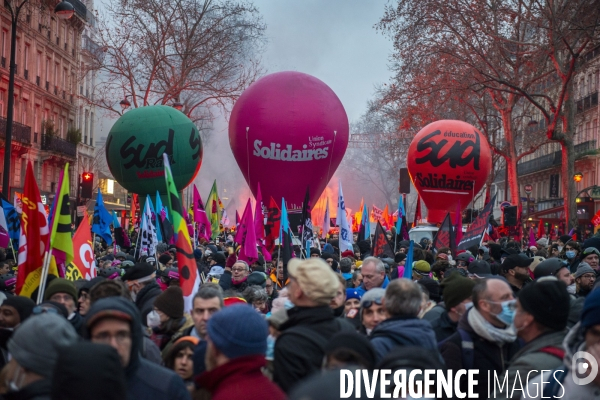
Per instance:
(560,248)
(153,319)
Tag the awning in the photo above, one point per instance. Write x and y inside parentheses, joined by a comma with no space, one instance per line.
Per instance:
(546,212)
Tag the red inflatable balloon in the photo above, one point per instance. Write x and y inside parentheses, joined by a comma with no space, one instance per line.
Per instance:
(448,162)
(288,131)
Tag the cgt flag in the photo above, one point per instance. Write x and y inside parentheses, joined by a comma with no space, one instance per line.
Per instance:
(83,265)
(189,280)
(381,245)
(33,242)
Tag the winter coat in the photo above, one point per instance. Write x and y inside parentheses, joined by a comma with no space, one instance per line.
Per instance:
(40,390)
(226,282)
(145,380)
(279,283)
(435,313)
(530,358)
(361,288)
(402,331)
(240,378)
(488,356)
(443,327)
(144,300)
(570,390)
(300,348)
(186,323)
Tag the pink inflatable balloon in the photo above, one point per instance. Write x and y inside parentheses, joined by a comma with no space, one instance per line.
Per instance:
(288,131)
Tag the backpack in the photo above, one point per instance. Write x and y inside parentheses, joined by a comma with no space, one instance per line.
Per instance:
(551,389)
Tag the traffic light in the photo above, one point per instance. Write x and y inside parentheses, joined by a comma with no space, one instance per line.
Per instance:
(87,185)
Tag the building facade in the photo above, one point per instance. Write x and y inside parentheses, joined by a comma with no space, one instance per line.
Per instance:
(48,55)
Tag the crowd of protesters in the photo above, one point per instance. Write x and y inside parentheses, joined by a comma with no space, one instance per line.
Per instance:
(262,331)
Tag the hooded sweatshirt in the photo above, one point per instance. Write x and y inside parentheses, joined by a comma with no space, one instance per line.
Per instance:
(402,331)
(145,380)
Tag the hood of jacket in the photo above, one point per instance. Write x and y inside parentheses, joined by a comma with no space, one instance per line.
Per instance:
(406,331)
(122,305)
(573,342)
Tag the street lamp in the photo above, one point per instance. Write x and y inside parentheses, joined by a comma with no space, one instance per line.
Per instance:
(578,177)
(125,104)
(64,10)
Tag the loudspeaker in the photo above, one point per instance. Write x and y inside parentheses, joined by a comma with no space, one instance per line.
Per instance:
(510,216)
(404,186)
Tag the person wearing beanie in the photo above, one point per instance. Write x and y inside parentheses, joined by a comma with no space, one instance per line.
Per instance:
(237,342)
(165,261)
(314,252)
(313,285)
(115,321)
(541,315)
(143,288)
(585,277)
(457,292)
(583,337)
(421,269)
(352,301)
(167,320)
(562,240)
(14,310)
(63,291)
(34,350)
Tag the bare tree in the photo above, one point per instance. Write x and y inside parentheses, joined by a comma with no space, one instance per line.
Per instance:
(200,54)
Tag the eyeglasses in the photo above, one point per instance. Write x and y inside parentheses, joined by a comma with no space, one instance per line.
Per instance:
(238,269)
(588,276)
(369,303)
(591,250)
(106,337)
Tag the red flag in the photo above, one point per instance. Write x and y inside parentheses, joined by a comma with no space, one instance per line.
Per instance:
(200,217)
(246,236)
(34,237)
(134,209)
(83,259)
(417,212)
(541,229)
(272,225)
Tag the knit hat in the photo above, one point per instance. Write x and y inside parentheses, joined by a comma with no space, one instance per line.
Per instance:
(375,294)
(456,289)
(61,285)
(23,305)
(162,247)
(122,255)
(432,287)
(590,316)
(38,355)
(138,271)
(583,268)
(257,278)
(548,301)
(238,331)
(565,238)
(548,267)
(422,267)
(170,302)
(197,254)
(316,279)
(591,242)
(164,258)
(352,293)
(219,258)
(399,257)
(542,242)
(314,250)
(348,253)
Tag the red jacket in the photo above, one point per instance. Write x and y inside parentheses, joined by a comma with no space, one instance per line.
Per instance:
(241,378)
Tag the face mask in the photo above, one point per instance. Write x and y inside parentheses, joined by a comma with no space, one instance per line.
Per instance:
(560,248)
(468,306)
(570,254)
(288,304)
(270,354)
(507,315)
(153,319)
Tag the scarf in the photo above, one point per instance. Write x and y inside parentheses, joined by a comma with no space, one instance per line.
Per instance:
(236,283)
(488,331)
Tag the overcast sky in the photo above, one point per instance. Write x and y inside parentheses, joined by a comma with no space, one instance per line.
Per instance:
(333,40)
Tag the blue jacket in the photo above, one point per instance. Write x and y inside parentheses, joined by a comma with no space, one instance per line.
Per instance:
(402,331)
(361,289)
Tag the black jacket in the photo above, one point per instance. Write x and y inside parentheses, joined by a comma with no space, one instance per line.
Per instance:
(226,282)
(300,348)
(488,357)
(40,390)
(144,300)
(443,326)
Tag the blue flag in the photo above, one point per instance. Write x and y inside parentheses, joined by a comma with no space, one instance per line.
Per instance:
(115,221)
(102,220)
(157,211)
(401,213)
(367,222)
(285,239)
(13,221)
(409,261)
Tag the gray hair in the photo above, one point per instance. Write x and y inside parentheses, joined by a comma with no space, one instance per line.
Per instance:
(379,266)
(403,297)
(345,264)
(255,293)
(210,291)
(243,262)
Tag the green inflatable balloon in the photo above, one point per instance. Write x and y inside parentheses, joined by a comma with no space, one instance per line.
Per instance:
(137,141)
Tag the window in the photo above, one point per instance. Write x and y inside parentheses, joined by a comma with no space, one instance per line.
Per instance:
(47,70)
(26,57)
(56,74)
(595,130)
(581,87)
(4,44)
(38,64)
(24,112)
(590,88)
(588,131)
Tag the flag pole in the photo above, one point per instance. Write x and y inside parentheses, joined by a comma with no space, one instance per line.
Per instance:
(42,287)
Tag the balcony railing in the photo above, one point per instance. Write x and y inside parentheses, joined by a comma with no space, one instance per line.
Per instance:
(20,133)
(552,159)
(82,12)
(587,102)
(58,145)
